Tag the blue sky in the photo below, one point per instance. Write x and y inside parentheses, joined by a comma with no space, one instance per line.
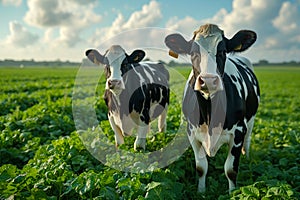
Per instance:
(63,29)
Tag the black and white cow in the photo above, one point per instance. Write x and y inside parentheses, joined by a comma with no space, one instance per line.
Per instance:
(221,96)
(135,94)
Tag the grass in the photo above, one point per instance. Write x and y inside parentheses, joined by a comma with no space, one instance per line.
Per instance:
(42,155)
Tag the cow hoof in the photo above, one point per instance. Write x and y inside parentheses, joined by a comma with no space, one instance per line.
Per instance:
(140,144)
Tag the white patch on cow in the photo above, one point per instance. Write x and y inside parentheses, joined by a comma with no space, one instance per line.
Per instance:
(227,168)
(210,143)
(231,70)
(148,75)
(127,123)
(208,67)
(247,139)
(245,89)
(115,57)
(210,42)
(234,127)
(141,78)
(119,139)
(238,145)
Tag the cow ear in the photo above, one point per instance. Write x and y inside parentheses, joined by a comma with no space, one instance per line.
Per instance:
(136,56)
(241,41)
(94,56)
(178,44)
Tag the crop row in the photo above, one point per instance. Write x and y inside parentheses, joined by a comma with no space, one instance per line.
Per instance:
(44,156)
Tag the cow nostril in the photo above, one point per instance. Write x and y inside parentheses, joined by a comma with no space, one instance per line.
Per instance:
(201,81)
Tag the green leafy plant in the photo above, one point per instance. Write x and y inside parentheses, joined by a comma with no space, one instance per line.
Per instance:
(43,156)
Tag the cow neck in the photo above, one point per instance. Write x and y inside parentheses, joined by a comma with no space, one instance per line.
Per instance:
(203,104)
(211,110)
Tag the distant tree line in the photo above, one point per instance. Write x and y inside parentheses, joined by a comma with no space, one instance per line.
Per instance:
(87,63)
(267,63)
(33,63)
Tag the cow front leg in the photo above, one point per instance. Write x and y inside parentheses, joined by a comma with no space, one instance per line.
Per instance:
(140,141)
(231,169)
(162,120)
(119,138)
(201,164)
(233,159)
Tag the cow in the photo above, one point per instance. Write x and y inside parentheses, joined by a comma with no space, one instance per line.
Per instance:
(135,93)
(221,96)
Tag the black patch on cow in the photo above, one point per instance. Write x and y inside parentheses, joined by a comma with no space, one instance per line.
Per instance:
(197,109)
(205,108)
(200,171)
(238,141)
(221,57)
(142,97)
(232,175)
(251,102)
(233,78)
(235,104)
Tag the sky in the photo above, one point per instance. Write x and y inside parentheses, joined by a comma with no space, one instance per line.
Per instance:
(64,29)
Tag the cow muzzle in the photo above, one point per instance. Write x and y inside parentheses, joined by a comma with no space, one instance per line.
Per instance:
(115,85)
(208,84)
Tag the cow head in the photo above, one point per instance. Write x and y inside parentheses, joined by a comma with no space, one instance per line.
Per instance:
(208,50)
(116,63)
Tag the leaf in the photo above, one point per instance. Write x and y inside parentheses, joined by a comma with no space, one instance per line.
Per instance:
(283,162)
(20,178)
(251,191)
(153,185)
(7,171)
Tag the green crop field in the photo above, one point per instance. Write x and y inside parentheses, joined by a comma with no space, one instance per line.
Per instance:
(43,156)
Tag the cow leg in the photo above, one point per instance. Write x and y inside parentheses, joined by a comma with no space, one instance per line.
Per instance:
(162,120)
(201,164)
(247,140)
(140,141)
(232,162)
(119,138)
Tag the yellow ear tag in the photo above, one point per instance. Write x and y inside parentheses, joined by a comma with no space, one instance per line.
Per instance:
(238,47)
(173,54)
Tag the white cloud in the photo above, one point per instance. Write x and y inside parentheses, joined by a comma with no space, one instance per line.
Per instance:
(275,22)
(255,14)
(251,14)
(46,14)
(70,16)
(149,16)
(11,2)
(54,13)
(66,25)
(20,36)
(288,19)
(186,25)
